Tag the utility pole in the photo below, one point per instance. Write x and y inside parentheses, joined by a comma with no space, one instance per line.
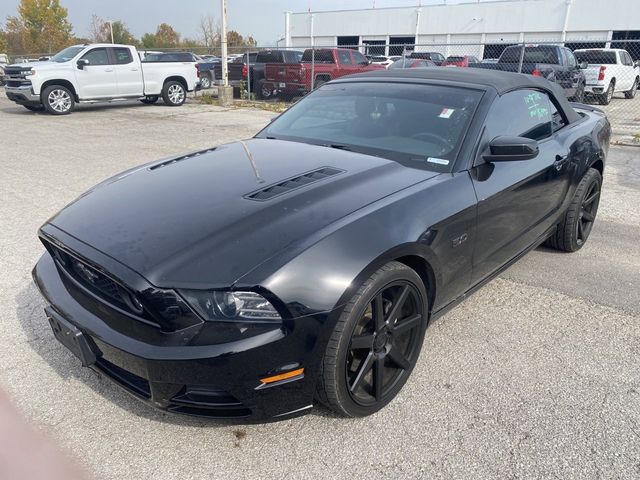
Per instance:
(223,43)
(111,29)
(225,92)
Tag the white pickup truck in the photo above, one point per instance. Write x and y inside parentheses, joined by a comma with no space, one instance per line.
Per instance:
(610,70)
(95,73)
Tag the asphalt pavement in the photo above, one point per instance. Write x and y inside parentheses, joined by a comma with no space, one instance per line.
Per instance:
(535,376)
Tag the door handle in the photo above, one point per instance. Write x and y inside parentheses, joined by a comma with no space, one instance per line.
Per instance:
(108,69)
(134,69)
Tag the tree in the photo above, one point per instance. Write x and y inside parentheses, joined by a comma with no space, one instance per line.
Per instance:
(100,32)
(148,40)
(40,27)
(4,45)
(209,31)
(166,37)
(234,39)
(95,29)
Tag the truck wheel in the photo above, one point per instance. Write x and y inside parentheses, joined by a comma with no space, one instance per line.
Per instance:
(205,81)
(579,96)
(634,88)
(174,93)
(576,224)
(263,91)
(605,98)
(58,100)
(150,99)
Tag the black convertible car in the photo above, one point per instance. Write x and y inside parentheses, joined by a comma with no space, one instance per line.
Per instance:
(253,279)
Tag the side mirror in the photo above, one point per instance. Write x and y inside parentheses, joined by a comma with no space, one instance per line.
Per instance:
(511,149)
(83,62)
(584,65)
(637,63)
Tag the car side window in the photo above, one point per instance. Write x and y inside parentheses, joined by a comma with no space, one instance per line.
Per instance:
(344,58)
(360,59)
(557,120)
(571,59)
(97,56)
(626,59)
(521,113)
(122,56)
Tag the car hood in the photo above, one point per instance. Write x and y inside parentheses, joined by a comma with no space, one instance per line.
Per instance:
(191,222)
(27,65)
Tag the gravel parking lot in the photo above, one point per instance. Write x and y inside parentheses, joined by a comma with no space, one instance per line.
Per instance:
(535,376)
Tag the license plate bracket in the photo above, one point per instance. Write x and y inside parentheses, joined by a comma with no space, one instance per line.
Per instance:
(71,337)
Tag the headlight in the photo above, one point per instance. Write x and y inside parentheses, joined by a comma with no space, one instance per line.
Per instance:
(30,72)
(231,306)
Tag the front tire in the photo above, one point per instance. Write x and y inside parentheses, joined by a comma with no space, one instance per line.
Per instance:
(174,94)
(375,343)
(574,229)
(58,100)
(632,93)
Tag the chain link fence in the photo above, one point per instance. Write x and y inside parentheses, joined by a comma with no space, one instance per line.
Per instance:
(602,73)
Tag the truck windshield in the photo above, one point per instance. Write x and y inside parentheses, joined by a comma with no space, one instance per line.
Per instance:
(421,126)
(66,54)
(596,57)
(545,54)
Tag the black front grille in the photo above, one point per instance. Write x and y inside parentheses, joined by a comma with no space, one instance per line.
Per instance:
(96,282)
(293,183)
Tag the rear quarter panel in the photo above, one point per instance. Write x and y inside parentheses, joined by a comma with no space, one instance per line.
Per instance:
(155,74)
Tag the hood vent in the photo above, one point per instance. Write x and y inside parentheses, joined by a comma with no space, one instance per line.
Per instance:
(292,183)
(178,159)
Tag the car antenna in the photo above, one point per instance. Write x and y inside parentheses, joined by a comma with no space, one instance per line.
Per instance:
(252,161)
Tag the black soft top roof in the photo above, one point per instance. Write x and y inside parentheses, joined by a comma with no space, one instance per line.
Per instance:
(497,80)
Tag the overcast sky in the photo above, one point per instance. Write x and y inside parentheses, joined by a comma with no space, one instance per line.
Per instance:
(264,19)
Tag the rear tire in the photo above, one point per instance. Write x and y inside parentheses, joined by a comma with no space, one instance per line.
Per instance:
(605,98)
(263,92)
(318,83)
(375,343)
(632,93)
(174,94)
(58,100)
(150,99)
(574,229)
(205,81)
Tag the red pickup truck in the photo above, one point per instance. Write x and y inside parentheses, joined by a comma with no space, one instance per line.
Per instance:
(328,63)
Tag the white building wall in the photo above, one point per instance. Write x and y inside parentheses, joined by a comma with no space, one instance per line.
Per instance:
(499,21)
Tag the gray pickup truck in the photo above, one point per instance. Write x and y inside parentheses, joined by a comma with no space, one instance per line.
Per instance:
(553,62)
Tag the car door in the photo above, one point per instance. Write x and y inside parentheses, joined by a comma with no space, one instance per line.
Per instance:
(627,72)
(360,62)
(344,62)
(519,200)
(98,78)
(128,74)
(574,73)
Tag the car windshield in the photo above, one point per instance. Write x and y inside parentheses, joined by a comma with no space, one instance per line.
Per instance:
(66,54)
(419,125)
(596,57)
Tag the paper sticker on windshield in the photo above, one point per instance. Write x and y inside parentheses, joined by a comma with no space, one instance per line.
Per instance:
(446,112)
(439,161)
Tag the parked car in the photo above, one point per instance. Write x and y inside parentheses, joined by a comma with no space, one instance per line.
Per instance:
(237,70)
(460,61)
(435,57)
(97,72)
(258,278)
(327,64)
(4,60)
(412,63)
(553,62)
(205,68)
(274,57)
(610,70)
(489,60)
(383,60)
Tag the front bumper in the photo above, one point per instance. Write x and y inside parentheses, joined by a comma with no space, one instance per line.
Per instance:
(22,94)
(221,380)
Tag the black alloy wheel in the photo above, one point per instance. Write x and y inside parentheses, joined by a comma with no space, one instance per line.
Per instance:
(587,214)
(376,342)
(575,227)
(383,343)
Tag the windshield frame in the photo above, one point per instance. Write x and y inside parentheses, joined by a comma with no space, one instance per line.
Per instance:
(378,152)
(80,49)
